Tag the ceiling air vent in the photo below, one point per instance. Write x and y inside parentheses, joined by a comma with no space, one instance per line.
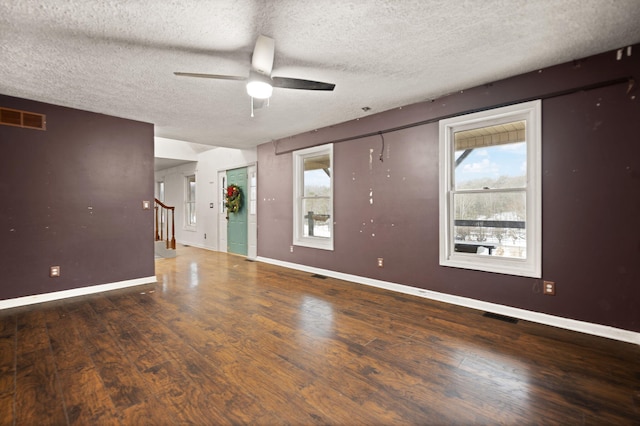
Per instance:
(28,120)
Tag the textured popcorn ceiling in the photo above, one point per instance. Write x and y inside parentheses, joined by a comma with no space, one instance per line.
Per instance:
(118,57)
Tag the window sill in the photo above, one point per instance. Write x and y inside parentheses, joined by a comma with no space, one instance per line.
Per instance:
(489,263)
(316,244)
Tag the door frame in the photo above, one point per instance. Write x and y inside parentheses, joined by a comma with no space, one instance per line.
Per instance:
(221,215)
(252,206)
(250,203)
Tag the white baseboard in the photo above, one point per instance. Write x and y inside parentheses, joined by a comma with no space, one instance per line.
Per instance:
(196,245)
(200,246)
(65,294)
(546,319)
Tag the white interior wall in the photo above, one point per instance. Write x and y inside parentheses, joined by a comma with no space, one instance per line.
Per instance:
(207,186)
(177,150)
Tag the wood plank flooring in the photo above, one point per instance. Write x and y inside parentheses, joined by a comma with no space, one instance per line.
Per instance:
(221,340)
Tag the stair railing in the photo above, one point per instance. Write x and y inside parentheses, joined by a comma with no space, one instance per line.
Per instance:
(162,224)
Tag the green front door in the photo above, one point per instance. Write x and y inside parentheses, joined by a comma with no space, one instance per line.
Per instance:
(237,223)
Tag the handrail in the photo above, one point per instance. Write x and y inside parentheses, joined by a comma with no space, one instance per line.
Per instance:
(163,204)
(160,235)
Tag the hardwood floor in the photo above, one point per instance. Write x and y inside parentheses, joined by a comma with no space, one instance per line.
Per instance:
(221,340)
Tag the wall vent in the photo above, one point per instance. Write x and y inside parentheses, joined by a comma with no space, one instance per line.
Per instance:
(25,119)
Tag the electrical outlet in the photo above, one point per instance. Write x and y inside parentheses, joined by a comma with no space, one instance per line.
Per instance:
(380,262)
(291,249)
(54,271)
(205,236)
(549,288)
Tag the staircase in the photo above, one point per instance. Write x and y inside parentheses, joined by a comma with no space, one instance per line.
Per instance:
(165,241)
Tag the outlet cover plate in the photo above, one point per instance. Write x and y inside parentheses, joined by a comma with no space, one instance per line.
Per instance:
(54,271)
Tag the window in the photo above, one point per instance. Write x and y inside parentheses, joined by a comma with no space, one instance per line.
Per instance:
(160,191)
(190,202)
(490,203)
(313,197)
(160,196)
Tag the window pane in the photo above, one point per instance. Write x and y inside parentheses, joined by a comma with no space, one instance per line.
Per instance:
(192,188)
(491,157)
(317,176)
(191,201)
(317,214)
(191,213)
(495,221)
(161,191)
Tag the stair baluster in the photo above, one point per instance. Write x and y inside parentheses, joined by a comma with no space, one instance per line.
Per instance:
(162,225)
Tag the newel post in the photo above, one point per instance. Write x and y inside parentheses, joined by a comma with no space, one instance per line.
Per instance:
(173,228)
(157,237)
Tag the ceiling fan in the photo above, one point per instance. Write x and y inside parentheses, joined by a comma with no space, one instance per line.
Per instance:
(260,82)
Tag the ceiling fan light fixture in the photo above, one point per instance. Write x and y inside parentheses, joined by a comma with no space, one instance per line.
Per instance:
(259,89)
(259,86)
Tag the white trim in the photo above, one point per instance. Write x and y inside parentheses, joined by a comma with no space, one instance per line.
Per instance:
(251,204)
(221,215)
(196,245)
(82,291)
(537,317)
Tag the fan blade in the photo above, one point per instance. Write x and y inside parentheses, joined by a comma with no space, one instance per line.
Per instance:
(296,83)
(262,60)
(215,76)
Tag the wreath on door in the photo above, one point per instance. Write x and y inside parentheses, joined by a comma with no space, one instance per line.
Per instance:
(233,199)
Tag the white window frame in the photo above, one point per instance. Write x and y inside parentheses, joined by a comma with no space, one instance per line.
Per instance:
(531,265)
(187,200)
(299,239)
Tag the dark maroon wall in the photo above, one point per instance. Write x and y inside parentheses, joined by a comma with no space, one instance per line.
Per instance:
(72,196)
(591,195)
